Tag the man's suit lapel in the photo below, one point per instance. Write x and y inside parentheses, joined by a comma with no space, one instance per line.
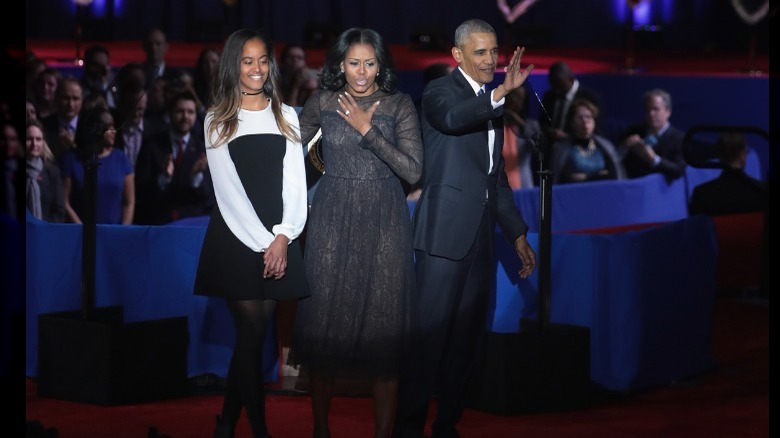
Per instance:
(466,92)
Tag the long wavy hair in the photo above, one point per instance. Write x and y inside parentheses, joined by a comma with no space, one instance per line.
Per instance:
(334,79)
(226,95)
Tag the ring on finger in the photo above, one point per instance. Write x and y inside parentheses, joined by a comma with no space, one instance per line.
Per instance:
(346,113)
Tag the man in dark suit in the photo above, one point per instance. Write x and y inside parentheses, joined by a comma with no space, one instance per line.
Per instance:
(654,146)
(465,193)
(171,173)
(734,191)
(564,89)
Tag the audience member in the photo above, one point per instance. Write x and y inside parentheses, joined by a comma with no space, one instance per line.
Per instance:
(34,67)
(734,191)
(250,255)
(45,197)
(94,102)
(12,200)
(155,47)
(204,76)
(359,258)
(584,155)
(655,145)
(564,88)
(8,112)
(157,115)
(465,197)
(60,127)
(520,133)
(130,111)
(436,70)
(172,176)
(97,77)
(115,192)
(298,80)
(130,78)
(31,111)
(45,91)
(179,82)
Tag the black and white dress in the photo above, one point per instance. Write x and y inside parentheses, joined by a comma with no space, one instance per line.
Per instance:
(260,187)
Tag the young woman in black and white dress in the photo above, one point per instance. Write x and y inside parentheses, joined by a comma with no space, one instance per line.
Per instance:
(251,256)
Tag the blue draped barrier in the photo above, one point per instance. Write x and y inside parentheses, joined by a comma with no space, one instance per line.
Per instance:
(647,296)
(149,270)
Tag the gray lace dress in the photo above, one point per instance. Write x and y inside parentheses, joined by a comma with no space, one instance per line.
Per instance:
(358,250)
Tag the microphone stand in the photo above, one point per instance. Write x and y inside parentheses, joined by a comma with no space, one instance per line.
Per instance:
(545,235)
(544,148)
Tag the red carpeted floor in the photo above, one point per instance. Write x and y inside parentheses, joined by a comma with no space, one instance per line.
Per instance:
(731,401)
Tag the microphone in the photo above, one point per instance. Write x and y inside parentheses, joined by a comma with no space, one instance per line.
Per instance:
(544,110)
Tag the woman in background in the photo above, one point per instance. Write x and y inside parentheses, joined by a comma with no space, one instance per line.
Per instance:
(584,155)
(115,193)
(45,198)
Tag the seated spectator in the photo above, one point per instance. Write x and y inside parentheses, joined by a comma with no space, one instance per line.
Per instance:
(156,116)
(45,91)
(155,47)
(172,177)
(60,127)
(97,76)
(31,111)
(45,198)
(734,191)
(130,111)
(34,67)
(564,88)
(298,80)
(655,145)
(584,155)
(115,191)
(205,69)
(12,157)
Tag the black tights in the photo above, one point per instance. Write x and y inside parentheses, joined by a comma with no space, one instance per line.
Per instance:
(245,382)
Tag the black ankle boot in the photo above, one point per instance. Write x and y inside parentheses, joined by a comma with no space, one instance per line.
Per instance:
(224,429)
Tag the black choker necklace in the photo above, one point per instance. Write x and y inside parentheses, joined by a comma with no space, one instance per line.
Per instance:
(252,94)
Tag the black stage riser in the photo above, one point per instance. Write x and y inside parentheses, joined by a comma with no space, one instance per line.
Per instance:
(534,371)
(106,362)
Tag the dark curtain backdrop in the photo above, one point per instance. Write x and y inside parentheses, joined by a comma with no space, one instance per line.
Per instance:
(685,25)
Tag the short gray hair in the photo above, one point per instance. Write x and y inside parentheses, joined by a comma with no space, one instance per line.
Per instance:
(468,27)
(663,94)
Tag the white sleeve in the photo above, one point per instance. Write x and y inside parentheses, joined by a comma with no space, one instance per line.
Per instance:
(294,190)
(233,202)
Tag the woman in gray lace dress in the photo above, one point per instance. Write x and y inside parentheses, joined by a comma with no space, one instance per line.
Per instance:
(358,253)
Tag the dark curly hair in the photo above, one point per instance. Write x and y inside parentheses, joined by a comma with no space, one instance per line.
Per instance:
(332,76)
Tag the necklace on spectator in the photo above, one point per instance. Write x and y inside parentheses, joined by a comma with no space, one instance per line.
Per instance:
(251,94)
(588,150)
